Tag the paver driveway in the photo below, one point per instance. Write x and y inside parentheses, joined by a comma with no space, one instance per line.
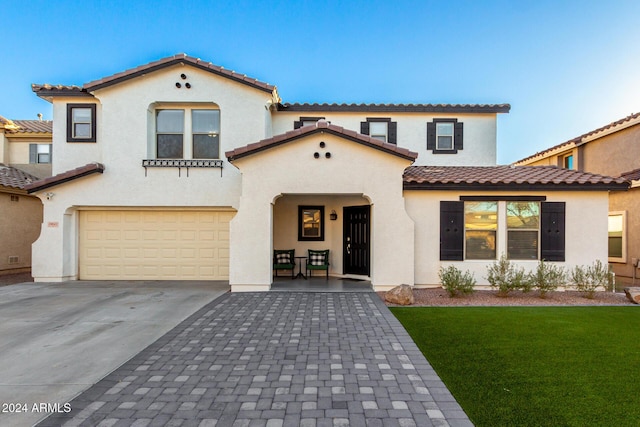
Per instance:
(275,359)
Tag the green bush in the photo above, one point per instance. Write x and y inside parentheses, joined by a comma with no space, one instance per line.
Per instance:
(506,277)
(589,279)
(547,278)
(455,282)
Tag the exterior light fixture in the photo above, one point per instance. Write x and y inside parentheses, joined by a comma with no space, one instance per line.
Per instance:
(333,215)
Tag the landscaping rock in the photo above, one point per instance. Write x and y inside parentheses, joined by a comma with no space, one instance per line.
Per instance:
(401,295)
(633,294)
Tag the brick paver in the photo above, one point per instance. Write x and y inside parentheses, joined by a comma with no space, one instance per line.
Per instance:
(275,359)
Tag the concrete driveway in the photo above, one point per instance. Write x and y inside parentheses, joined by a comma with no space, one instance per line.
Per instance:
(58,339)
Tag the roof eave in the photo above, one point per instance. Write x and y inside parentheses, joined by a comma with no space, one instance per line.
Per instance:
(515,186)
(65,177)
(397,108)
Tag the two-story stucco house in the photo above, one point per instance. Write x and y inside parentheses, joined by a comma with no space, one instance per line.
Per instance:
(614,150)
(25,157)
(181,169)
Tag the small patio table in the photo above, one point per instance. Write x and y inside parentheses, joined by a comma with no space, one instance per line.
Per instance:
(300,273)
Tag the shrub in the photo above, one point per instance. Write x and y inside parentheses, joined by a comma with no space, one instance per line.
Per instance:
(547,278)
(506,277)
(455,282)
(589,279)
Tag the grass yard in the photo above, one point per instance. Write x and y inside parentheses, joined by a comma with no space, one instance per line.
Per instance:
(535,366)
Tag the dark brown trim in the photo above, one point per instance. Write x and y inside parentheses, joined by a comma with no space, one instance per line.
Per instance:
(181,60)
(319,238)
(503,198)
(61,178)
(399,108)
(70,108)
(455,139)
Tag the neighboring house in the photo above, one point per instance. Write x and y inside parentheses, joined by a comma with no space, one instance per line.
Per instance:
(180,169)
(25,157)
(612,150)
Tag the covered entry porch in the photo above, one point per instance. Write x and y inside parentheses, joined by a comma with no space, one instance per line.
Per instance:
(322,170)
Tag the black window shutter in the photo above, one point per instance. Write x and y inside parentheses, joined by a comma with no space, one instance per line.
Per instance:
(297,124)
(33,153)
(393,132)
(552,230)
(364,128)
(457,136)
(431,136)
(451,231)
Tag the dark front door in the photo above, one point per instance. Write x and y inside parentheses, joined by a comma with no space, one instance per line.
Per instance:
(356,246)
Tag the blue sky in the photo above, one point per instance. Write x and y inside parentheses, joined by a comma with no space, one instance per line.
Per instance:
(566,67)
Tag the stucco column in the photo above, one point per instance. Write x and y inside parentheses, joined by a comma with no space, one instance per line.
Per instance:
(250,264)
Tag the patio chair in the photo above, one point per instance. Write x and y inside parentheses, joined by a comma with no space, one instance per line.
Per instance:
(318,260)
(284,260)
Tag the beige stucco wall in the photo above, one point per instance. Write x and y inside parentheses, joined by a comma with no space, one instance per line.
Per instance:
(19,228)
(291,169)
(479,133)
(613,154)
(586,231)
(124,135)
(629,203)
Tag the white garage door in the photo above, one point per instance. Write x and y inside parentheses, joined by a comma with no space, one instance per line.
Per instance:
(154,245)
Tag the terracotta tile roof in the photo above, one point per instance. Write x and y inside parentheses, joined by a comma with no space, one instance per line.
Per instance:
(63,177)
(393,108)
(633,175)
(33,126)
(506,178)
(47,90)
(580,140)
(15,178)
(320,126)
(172,60)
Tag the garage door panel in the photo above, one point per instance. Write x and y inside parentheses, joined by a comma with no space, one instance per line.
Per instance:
(154,245)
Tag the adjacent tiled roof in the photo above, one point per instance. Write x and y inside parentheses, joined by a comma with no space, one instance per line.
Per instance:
(15,178)
(48,90)
(63,177)
(399,108)
(633,175)
(506,178)
(320,126)
(33,126)
(579,140)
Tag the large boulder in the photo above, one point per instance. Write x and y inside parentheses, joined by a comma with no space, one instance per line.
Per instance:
(401,295)
(633,294)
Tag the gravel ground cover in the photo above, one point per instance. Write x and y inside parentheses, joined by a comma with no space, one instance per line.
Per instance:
(435,297)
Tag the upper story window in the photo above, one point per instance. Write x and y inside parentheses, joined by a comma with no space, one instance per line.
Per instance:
(306,121)
(380,128)
(189,133)
(39,153)
(444,136)
(567,162)
(81,122)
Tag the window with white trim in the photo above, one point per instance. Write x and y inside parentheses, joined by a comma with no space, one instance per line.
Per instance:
(187,133)
(39,153)
(379,130)
(617,237)
(444,136)
(523,230)
(480,226)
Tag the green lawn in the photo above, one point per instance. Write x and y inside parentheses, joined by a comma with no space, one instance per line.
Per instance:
(535,366)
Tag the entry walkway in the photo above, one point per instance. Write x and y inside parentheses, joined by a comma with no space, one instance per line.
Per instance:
(320,284)
(275,359)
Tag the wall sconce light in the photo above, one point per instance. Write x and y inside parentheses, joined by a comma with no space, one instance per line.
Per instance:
(333,215)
